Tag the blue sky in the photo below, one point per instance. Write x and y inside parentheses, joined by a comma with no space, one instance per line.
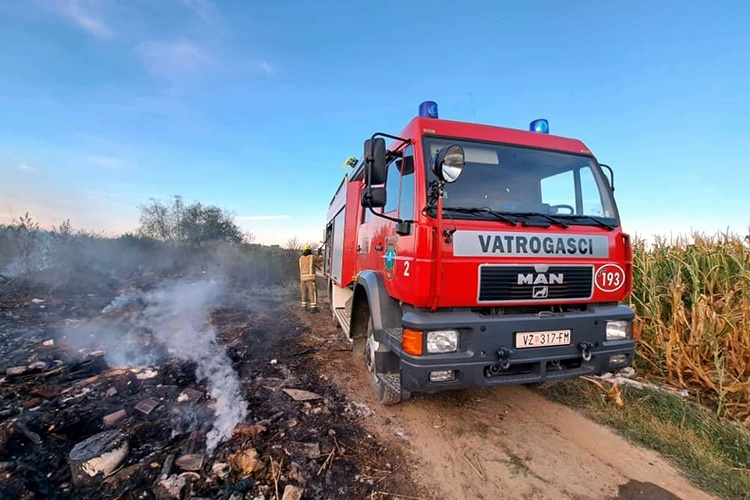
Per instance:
(253,106)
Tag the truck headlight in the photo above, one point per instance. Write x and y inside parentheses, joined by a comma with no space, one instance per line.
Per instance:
(619,330)
(442,341)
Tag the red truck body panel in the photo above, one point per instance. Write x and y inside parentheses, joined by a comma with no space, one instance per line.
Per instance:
(415,277)
(479,298)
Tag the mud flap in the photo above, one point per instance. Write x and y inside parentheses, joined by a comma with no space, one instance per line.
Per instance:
(358,346)
(393,381)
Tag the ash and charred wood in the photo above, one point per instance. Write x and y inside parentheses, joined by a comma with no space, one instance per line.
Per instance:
(194,443)
(191,462)
(33,403)
(147,406)
(166,469)
(46,392)
(303,351)
(98,456)
(28,434)
(8,412)
(53,371)
(85,368)
(16,371)
(251,431)
(33,371)
(268,421)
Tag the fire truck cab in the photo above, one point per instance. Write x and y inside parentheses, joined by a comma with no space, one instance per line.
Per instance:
(466,255)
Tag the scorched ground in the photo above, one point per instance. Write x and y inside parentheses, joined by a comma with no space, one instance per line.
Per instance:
(96,403)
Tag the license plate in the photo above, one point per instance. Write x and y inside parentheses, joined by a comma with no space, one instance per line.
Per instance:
(542,339)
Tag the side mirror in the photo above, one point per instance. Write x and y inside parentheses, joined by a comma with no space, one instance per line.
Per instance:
(375,171)
(449,162)
(373,197)
(406,165)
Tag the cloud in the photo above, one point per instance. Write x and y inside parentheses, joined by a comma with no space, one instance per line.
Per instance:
(267,69)
(27,168)
(201,8)
(174,59)
(106,161)
(83,13)
(102,196)
(262,217)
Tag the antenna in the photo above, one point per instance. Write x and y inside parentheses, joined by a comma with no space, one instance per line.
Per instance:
(473,111)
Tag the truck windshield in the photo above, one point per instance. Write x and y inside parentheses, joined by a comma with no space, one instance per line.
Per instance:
(524,181)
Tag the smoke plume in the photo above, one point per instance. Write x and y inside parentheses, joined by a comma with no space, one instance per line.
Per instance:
(175,314)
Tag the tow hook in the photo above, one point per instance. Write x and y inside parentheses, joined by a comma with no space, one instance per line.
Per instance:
(585,348)
(503,361)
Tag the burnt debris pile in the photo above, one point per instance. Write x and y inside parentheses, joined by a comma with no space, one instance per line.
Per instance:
(167,389)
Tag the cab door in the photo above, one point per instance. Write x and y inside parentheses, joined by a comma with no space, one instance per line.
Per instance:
(380,247)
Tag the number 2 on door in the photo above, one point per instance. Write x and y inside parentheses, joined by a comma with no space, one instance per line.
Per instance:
(406,268)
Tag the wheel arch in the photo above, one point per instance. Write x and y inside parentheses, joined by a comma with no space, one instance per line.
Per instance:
(371,299)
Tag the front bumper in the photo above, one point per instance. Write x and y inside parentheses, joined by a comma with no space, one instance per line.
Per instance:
(482,337)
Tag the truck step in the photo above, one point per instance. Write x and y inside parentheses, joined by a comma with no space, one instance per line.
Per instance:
(393,380)
(396,333)
(343,318)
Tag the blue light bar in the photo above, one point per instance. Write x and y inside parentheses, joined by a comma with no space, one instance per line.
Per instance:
(428,109)
(541,126)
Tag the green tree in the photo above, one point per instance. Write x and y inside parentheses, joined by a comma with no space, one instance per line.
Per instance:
(26,238)
(195,223)
(160,221)
(208,223)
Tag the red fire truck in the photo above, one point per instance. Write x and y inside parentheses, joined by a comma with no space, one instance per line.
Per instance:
(466,255)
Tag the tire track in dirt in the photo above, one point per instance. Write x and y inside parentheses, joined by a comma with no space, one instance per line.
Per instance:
(507,440)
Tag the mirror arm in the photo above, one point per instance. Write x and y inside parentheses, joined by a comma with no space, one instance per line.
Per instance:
(611,176)
(383,216)
(383,134)
(368,165)
(394,137)
(369,158)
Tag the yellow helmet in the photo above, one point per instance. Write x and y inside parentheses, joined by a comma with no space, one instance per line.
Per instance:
(305,247)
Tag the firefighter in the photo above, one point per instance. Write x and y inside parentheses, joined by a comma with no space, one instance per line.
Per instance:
(307,265)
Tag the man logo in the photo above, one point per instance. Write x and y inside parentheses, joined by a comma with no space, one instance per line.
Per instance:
(540,279)
(540,292)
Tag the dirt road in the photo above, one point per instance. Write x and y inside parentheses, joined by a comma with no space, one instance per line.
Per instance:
(499,443)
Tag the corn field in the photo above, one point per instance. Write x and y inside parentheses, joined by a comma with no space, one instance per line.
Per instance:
(692,300)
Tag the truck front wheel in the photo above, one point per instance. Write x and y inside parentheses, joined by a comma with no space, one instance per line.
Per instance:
(386,394)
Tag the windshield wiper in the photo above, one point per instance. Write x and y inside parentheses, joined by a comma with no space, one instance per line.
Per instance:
(467,210)
(597,220)
(549,218)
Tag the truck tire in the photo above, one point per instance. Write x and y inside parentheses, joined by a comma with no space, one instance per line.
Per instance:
(384,392)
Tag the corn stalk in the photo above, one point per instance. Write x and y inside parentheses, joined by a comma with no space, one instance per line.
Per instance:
(692,300)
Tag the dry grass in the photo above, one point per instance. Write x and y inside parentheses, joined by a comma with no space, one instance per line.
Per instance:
(713,453)
(692,298)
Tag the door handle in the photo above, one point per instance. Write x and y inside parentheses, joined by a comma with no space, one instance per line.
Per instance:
(379,248)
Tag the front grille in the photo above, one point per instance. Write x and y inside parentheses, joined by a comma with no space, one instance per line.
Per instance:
(529,309)
(498,283)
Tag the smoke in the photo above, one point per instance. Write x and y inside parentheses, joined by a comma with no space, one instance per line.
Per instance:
(145,325)
(177,314)
(174,316)
(122,301)
(36,254)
